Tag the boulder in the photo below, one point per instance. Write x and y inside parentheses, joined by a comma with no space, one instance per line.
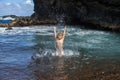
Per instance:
(98,13)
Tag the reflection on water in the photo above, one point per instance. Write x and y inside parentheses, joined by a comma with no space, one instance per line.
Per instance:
(49,69)
(28,54)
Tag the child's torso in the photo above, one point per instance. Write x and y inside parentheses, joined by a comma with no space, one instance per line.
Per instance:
(59,44)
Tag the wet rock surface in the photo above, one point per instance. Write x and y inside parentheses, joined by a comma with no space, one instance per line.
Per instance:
(100,14)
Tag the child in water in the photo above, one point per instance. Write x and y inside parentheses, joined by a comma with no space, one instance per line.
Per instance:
(59,40)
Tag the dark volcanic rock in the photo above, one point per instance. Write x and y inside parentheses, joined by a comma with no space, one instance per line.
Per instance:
(98,13)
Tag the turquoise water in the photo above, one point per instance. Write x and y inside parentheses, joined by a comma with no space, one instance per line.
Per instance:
(28,54)
(5,21)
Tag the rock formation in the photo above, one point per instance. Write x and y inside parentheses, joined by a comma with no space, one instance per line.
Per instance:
(21,21)
(101,14)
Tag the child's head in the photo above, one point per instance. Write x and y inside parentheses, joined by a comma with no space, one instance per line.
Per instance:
(60,35)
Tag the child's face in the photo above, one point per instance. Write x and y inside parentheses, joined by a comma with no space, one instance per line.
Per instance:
(60,36)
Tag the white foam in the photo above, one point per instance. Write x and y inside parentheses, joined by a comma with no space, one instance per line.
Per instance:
(82,32)
(71,53)
(46,30)
(15,31)
(49,53)
(93,41)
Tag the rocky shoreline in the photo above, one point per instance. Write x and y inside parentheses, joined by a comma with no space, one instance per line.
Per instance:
(21,21)
(27,21)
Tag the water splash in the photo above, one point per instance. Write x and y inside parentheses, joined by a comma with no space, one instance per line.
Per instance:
(60,20)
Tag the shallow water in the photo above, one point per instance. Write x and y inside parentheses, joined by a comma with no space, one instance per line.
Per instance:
(28,54)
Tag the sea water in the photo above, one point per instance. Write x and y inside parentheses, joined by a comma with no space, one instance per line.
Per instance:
(5,21)
(27,53)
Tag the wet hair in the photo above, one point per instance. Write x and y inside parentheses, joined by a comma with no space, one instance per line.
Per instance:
(60,33)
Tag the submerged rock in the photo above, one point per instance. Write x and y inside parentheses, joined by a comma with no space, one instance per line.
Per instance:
(9,28)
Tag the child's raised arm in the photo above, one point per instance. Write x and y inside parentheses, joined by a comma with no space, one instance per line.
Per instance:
(55,31)
(64,32)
